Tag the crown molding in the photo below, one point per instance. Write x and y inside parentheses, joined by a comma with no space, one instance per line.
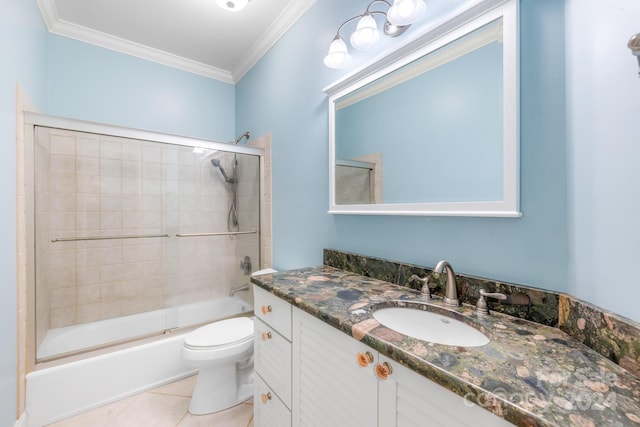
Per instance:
(278,28)
(49,12)
(128,47)
(58,26)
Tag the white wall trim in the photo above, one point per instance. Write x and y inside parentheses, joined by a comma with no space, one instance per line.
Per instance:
(279,27)
(23,272)
(266,235)
(87,35)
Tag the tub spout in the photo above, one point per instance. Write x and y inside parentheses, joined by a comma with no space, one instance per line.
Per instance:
(242,288)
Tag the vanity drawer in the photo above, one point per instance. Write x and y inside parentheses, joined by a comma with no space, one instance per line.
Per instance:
(272,360)
(268,409)
(273,311)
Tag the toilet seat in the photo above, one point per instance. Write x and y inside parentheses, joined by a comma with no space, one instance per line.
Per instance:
(221,333)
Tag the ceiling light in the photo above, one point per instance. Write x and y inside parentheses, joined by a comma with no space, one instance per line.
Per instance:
(366,34)
(232,5)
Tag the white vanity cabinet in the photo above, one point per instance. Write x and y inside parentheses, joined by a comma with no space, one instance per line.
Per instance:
(272,360)
(311,374)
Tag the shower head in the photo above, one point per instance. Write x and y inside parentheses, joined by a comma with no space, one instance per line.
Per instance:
(216,164)
(244,135)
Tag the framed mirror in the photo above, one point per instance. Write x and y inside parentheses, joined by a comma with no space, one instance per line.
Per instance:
(432,129)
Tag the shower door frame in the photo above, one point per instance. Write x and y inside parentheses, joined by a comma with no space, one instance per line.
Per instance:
(33,120)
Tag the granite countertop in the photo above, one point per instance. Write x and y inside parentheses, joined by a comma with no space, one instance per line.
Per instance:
(529,374)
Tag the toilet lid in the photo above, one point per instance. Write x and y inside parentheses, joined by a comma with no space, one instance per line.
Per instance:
(222,332)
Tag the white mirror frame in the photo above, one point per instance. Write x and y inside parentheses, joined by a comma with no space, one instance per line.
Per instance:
(474,17)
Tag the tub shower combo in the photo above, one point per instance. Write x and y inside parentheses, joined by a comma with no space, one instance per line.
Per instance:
(138,239)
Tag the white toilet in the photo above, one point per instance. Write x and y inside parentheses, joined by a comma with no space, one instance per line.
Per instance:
(223,352)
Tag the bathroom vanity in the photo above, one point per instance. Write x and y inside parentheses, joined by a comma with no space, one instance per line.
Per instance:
(322,359)
(308,370)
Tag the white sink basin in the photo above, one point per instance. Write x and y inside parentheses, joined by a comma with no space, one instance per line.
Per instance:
(428,326)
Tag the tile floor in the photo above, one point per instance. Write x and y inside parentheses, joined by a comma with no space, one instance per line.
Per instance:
(165,406)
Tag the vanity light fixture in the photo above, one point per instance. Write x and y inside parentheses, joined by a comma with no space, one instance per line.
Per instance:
(232,5)
(398,19)
(634,45)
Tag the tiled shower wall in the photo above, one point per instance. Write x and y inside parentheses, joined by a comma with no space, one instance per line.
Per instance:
(353,185)
(360,185)
(94,185)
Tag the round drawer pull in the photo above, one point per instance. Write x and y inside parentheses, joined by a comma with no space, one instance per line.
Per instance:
(383,370)
(265,397)
(363,359)
(266,336)
(266,309)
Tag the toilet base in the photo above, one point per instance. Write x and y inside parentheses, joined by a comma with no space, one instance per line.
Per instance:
(218,389)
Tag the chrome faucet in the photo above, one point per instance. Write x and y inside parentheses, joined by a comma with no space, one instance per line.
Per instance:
(451,292)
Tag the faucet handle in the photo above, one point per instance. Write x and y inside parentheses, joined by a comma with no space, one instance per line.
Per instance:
(425,285)
(496,295)
(481,307)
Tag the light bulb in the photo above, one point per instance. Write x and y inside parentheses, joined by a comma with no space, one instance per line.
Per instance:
(338,56)
(232,5)
(366,34)
(406,12)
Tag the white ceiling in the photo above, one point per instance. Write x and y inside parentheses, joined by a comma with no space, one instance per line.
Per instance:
(194,35)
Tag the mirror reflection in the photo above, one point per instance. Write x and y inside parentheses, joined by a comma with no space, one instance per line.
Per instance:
(432,129)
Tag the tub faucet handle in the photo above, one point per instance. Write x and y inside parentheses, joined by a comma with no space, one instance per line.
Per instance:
(245,265)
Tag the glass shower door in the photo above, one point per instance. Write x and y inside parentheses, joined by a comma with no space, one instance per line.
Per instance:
(100,240)
(216,221)
(134,237)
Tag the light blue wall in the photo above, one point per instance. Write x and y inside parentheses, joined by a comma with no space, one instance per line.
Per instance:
(604,153)
(23,41)
(96,84)
(283,94)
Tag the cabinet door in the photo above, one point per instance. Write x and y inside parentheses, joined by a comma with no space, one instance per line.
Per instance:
(407,399)
(330,388)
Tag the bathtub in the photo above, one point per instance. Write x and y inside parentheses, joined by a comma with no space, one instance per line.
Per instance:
(68,389)
(70,339)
